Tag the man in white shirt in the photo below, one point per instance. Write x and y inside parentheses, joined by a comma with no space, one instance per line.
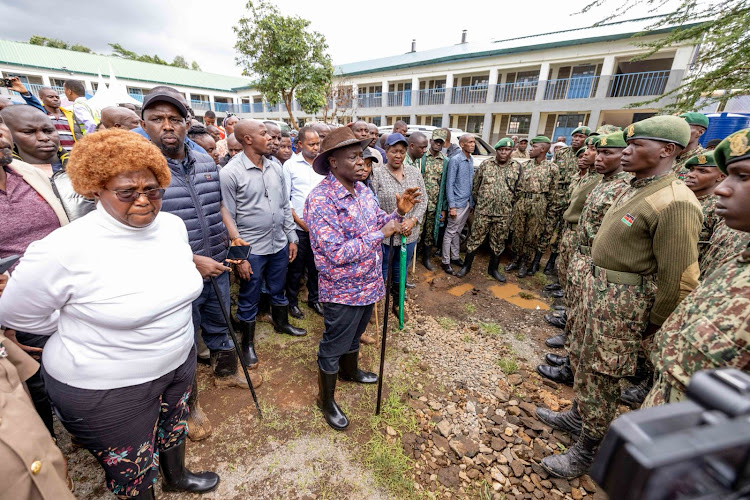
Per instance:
(75,92)
(300,179)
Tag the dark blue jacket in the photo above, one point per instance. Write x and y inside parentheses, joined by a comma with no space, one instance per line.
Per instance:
(194,195)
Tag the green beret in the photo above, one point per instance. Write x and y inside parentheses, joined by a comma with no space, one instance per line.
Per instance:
(505,142)
(542,139)
(613,140)
(696,119)
(608,129)
(439,133)
(582,130)
(664,128)
(581,151)
(702,160)
(592,140)
(734,148)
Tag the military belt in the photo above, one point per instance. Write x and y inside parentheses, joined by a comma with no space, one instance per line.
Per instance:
(531,195)
(584,250)
(619,277)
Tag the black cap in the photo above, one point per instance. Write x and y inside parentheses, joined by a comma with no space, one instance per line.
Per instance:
(156,97)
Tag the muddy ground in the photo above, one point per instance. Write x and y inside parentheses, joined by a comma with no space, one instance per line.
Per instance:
(292,453)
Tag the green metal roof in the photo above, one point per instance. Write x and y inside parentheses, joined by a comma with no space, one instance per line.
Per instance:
(36,56)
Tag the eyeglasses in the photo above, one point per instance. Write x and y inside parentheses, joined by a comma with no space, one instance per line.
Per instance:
(130,195)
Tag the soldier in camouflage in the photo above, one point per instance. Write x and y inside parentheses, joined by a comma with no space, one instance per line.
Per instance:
(649,235)
(698,124)
(494,187)
(724,243)
(702,178)
(711,327)
(519,153)
(536,194)
(433,165)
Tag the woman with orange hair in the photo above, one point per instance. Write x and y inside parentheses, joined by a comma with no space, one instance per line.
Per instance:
(113,290)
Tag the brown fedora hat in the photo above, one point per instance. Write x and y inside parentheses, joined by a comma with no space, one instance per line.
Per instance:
(337,139)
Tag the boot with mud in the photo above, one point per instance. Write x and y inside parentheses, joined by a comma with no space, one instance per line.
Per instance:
(567,421)
(264,308)
(232,376)
(576,461)
(326,402)
(369,338)
(535,264)
(513,264)
(426,262)
(199,427)
(247,329)
(523,269)
(350,372)
(280,316)
(558,319)
(549,269)
(467,265)
(492,268)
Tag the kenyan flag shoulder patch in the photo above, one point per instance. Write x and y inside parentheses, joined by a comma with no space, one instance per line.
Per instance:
(628,220)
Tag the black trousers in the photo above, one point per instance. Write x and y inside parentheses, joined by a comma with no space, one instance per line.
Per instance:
(344,325)
(304,260)
(35,382)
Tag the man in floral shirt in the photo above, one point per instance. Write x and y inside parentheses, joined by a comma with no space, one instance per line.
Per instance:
(346,230)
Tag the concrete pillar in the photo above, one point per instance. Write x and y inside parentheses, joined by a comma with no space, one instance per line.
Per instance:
(448,87)
(680,65)
(414,93)
(608,69)
(446,122)
(211,100)
(540,89)
(45,81)
(534,124)
(487,127)
(594,118)
(491,83)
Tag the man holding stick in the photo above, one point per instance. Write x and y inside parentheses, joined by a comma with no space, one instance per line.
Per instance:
(346,230)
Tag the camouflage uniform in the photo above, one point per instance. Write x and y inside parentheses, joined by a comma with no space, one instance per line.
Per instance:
(724,243)
(536,193)
(679,162)
(493,191)
(710,219)
(433,171)
(516,154)
(709,329)
(567,161)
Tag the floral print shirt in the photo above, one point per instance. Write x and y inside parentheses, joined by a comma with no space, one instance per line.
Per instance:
(345,238)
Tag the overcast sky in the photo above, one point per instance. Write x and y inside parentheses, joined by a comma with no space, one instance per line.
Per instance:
(201,30)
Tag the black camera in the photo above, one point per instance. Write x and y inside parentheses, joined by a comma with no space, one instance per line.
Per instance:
(696,449)
(7,82)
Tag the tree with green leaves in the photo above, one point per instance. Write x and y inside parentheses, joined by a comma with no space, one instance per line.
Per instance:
(287,59)
(57,44)
(721,68)
(178,61)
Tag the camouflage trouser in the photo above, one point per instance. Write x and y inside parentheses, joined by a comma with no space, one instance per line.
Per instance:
(566,252)
(497,228)
(429,227)
(579,268)
(555,234)
(529,224)
(662,393)
(617,318)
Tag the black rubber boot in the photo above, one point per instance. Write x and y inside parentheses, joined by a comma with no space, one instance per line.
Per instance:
(556,359)
(467,265)
(280,316)
(634,395)
(557,319)
(576,461)
(224,363)
(147,494)
(560,374)
(176,477)
(492,268)
(549,269)
(535,264)
(350,372)
(199,427)
(567,421)
(523,270)
(247,329)
(557,342)
(426,262)
(513,264)
(264,307)
(331,411)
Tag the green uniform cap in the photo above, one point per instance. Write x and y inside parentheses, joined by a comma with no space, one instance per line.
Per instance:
(608,129)
(592,140)
(541,138)
(581,151)
(734,148)
(696,119)
(439,133)
(505,142)
(665,128)
(613,140)
(702,160)
(582,130)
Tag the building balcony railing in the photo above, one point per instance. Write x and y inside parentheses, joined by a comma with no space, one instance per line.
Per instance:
(200,105)
(473,94)
(34,88)
(136,96)
(431,97)
(638,84)
(226,107)
(577,87)
(272,109)
(399,98)
(512,92)
(371,100)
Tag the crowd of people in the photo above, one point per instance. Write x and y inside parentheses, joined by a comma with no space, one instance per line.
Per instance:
(123,219)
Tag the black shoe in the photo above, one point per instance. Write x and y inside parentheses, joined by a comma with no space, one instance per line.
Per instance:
(561,374)
(558,320)
(535,264)
(558,294)
(467,265)
(558,307)
(457,262)
(176,477)
(634,395)
(492,268)
(296,312)
(349,370)
(448,269)
(280,316)
(576,461)
(224,363)
(316,306)
(549,269)
(557,342)
(552,287)
(331,411)
(426,262)
(513,264)
(247,329)
(556,360)
(523,270)
(567,421)
(410,285)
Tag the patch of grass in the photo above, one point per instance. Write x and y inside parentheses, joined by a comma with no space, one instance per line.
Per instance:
(470,308)
(446,323)
(540,280)
(390,465)
(519,336)
(508,366)
(562,447)
(482,490)
(491,328)
(526,295)
(467,338)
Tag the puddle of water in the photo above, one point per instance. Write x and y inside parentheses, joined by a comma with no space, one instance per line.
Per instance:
(510,293)
(460,289)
